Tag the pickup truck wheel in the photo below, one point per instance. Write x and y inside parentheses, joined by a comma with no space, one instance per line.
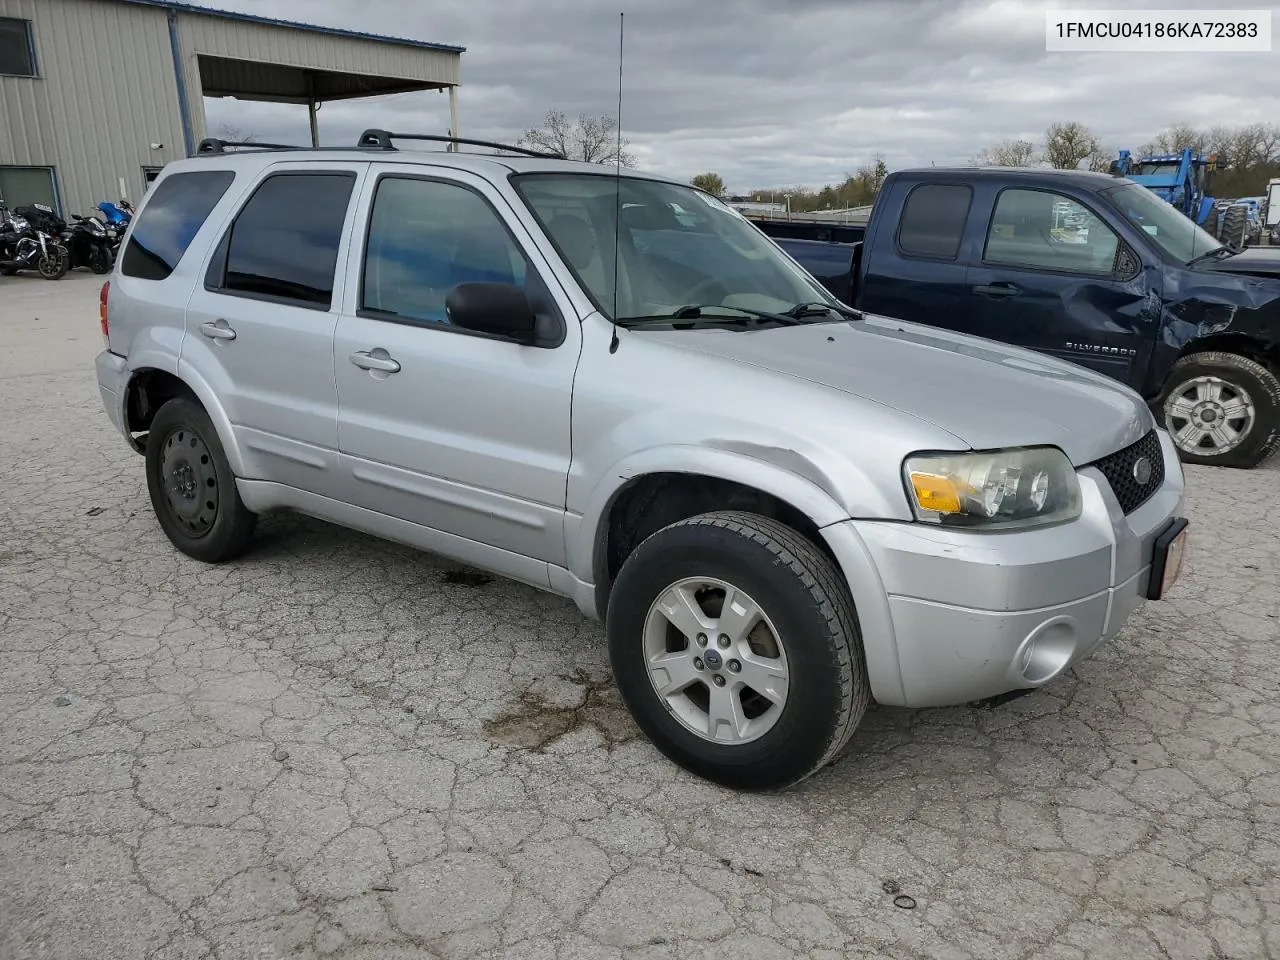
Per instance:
(193,490)
(735,646)
(1222,409)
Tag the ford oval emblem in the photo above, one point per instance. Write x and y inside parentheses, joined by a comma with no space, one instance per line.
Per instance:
(1142,471)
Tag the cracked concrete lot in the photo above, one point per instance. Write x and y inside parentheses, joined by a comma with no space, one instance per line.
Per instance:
(337,747)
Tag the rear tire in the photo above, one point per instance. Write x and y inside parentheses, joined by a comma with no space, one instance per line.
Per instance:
(771,616)
(193,490)
(1222,409)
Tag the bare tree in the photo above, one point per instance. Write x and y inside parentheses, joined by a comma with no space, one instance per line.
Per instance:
(713,183)
(1066,144)
(1009,153)
(231,132)
(1100,160)
(594,139)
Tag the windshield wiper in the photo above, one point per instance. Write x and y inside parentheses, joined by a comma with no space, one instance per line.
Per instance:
(816,308)
(709,313)
(1212,253)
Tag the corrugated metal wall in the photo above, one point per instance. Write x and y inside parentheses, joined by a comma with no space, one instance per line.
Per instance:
(105,92)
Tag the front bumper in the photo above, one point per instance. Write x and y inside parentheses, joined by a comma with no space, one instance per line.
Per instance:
(950,616)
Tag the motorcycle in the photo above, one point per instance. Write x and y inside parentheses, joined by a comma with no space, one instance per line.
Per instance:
(88,244)
(86,241)
(117,217)
(24,247)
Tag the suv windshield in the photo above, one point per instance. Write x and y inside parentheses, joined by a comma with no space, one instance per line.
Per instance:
(677,247)
(1168,227)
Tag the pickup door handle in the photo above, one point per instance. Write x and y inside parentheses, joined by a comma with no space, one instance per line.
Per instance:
(218,330)
(998,290)
(378,360)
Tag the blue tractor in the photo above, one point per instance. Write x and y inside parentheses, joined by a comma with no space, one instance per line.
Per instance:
(1182,179)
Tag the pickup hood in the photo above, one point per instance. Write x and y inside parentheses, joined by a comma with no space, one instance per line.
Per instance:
(984,393)
(1254,261)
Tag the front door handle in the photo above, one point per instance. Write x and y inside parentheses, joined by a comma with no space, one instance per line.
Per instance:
(218,330)
(377,359)
(997,290)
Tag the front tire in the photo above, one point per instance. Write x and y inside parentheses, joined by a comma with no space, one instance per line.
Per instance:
(54,265)
(734,643)
(99,259)
(1222,409)
(193,490)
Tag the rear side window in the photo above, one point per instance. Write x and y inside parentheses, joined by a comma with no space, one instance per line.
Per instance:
(283,245)
(933,220)
(175,211)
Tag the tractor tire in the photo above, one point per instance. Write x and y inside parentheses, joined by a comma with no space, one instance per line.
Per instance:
(1213,223)
(1235,222)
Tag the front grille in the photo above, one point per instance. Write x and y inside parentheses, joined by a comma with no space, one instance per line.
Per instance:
(1118,468)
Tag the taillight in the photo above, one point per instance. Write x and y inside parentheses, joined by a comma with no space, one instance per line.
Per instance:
(102,310)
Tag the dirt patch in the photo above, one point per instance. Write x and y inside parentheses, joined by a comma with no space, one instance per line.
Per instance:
(535,721)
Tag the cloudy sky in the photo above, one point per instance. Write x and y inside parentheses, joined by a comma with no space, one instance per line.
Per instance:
(778,92)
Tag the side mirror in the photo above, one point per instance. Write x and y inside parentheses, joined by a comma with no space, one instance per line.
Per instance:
(496,308)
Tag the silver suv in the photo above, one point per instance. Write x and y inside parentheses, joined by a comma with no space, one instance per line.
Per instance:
(616,389)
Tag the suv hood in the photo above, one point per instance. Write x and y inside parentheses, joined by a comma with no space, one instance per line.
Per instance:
(985,393)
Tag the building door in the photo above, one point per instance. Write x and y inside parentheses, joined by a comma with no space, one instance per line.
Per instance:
(24,186)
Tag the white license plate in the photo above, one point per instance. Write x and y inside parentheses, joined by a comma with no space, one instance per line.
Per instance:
(1173,561)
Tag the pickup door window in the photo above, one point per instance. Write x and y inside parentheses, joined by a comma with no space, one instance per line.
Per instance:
(462,433)
(1055,277)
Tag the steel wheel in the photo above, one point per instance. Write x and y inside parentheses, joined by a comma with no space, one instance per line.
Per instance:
(190,481)
(1209,415)
(715,659)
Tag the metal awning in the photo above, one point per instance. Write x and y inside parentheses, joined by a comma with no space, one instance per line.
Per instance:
(281,83)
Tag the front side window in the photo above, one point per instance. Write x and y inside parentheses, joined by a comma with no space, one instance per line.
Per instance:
(173,214)
(17,58)
(675,246)
(284,243)
(1175,234)
(1036,228)
(425,238)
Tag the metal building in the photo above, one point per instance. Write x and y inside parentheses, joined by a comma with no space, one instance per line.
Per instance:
(97,95)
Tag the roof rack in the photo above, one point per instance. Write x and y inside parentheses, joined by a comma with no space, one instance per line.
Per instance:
(214,145)
(374,139)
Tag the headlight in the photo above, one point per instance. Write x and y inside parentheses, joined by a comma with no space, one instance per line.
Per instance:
(993,490)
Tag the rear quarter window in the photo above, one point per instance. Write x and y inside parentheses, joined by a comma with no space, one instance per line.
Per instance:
(174,212)
(933,220)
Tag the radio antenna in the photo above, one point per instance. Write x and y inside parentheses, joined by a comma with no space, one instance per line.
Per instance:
(617,188)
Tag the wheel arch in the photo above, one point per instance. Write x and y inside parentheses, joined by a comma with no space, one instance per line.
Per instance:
(652,491)
(1241,344)
(152,382)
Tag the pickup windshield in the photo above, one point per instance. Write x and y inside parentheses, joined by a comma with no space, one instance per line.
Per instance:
(1174,233)
(676,246)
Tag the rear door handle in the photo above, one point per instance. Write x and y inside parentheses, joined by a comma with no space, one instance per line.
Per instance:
(998,290)
(218,330)
(377,359)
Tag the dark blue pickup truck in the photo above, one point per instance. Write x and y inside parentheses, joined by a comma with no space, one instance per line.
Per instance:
(1088,267)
